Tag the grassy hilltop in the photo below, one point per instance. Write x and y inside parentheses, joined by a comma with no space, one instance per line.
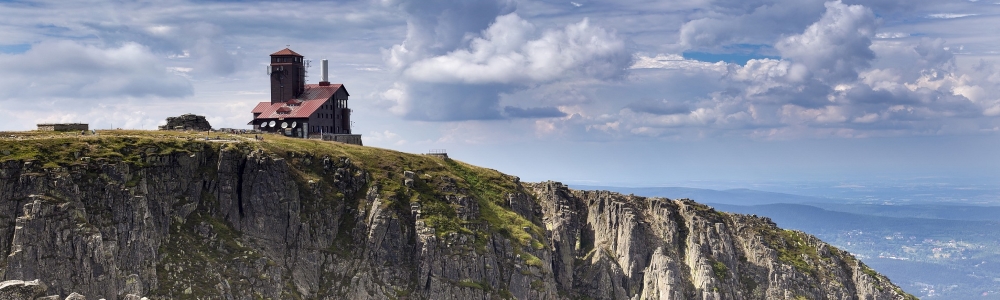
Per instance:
(384,167)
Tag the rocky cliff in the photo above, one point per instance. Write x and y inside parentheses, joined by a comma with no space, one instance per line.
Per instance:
(169,215)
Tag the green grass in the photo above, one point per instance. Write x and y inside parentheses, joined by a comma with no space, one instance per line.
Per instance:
(531,260)
(490,189)
(55,149)
(792,248)
(469,283)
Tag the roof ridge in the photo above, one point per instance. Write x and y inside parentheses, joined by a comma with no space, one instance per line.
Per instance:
(285,51)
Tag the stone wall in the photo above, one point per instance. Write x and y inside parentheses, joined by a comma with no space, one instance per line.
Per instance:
(353,139)
(62,127)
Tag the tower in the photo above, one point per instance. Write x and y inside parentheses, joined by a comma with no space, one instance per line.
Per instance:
(288,75)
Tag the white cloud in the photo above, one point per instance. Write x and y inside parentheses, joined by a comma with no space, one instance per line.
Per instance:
(749,22)
(67,69)
(512,50)
(385,137)
(949,16)
(831,70)
(675,61)
(440,26)
(891,35)
(832,80)
(835,47)
(466,82)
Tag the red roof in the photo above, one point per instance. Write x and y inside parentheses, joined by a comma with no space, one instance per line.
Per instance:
(312,98)
(285,51)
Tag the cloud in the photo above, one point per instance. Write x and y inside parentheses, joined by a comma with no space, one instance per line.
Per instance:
(533,112)
(835,47)
(453,79)
(832,79)
(749,22)
(894,6)
(658,107)
(674,61)
(512,51)
(444,101)
(599,71)
(891,35)
(437,27)
(949,16)
(66,69)
(385,137)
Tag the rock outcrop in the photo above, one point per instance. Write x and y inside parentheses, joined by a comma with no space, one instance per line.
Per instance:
(187,122)
(19,289)
(316,220)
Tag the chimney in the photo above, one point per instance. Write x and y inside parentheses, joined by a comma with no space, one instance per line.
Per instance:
(326,80)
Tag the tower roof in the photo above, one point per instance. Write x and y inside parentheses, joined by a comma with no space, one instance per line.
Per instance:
(286,51)
(314,96)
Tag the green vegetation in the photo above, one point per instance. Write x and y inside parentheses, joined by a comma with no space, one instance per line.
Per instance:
(505,294)
(537,285)
(382,168)
(469,283)
(720,270)
(797,252)
(792,248)
(187,255)
(531,260)
(385,168)
(57,149)
(868,271)
(491,188)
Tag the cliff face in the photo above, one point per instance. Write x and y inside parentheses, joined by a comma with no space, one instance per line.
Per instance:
(168,217)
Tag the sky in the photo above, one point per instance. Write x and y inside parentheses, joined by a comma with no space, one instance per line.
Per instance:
(625,92)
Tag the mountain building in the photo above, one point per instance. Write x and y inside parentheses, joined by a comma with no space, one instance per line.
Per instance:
(298,109)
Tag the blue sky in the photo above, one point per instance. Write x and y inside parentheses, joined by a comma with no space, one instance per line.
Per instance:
(630,92)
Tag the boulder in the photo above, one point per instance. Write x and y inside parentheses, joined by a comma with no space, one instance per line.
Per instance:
(19,289)
(187,122)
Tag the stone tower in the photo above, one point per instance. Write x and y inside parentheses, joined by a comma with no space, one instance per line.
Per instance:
(288,75)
